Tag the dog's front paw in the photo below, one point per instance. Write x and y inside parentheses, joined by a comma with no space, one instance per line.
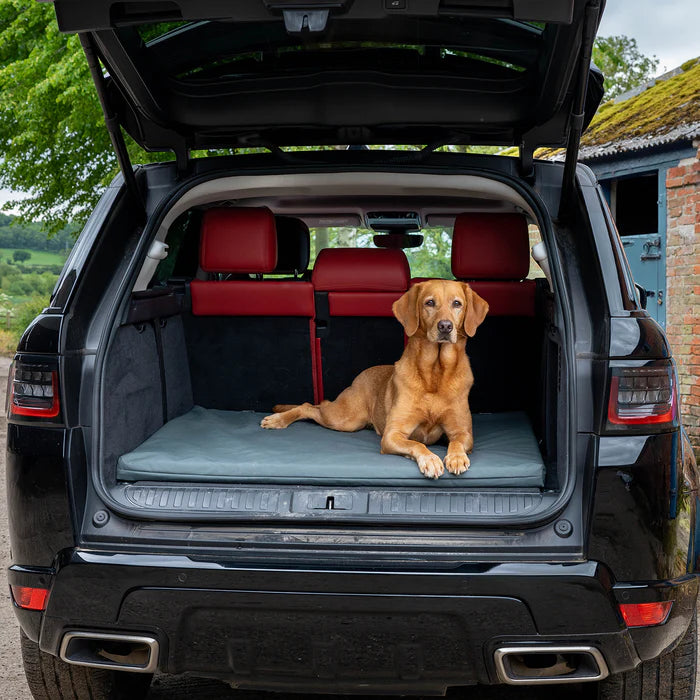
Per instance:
(457,463)
(274,422)
(430,465)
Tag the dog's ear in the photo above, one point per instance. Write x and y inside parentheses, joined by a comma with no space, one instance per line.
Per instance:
(405,308)
(476,310)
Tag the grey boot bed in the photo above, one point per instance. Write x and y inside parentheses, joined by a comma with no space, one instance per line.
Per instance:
(207,445)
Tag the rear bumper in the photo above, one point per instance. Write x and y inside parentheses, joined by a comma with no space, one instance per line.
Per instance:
(349,631)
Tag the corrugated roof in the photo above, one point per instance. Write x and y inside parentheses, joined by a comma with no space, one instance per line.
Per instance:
(667,111)
(684,132)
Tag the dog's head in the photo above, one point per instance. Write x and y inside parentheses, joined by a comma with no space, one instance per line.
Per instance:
(442,310)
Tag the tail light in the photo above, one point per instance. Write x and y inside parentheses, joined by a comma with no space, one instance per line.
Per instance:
(645,614)
(641,396)
(29,598)
(33,390)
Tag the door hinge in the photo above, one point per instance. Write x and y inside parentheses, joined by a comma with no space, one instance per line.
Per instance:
(648,245)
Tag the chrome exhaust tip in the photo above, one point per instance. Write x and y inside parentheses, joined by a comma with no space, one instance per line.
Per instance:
(117,652)
(543,664)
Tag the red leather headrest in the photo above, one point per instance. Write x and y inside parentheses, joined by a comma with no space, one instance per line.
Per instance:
(361,270)
(490,247)
(238,240)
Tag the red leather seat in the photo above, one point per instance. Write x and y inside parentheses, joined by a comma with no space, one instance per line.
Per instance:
(244,241)
(260,333)
(355,289)
(361,281)
(492,253)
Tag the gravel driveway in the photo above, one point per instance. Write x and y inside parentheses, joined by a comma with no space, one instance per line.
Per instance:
(14,687)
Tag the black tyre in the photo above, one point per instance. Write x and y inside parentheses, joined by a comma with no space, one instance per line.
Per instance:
(49,678)
(670,677)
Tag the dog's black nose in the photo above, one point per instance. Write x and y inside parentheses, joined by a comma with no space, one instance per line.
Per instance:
(445,326)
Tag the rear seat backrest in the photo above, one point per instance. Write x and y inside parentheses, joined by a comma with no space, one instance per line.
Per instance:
(355,289)
(491,252)
(238,241)
(250,341)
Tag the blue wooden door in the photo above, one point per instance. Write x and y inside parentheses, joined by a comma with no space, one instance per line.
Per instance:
(638,203)
(647,260)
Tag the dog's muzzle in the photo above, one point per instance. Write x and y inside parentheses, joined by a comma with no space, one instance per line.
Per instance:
(444,333)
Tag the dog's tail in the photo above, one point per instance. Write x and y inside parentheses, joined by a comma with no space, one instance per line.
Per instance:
(282,407)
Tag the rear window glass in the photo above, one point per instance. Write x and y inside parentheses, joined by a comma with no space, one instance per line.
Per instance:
(150,32)
(196,51)
(432,258)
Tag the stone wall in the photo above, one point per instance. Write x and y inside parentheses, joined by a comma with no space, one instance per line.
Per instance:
(683,280)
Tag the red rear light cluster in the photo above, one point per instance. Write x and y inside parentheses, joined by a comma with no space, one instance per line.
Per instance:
(642,395)
(29,598)
(645,614)
(33,390)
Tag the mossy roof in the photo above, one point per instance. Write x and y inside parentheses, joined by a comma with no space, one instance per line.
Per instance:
(665,112)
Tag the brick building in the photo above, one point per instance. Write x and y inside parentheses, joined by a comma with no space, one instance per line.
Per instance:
(645,150)
(683,283)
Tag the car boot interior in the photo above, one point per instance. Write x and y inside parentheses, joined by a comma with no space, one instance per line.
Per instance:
(234,323)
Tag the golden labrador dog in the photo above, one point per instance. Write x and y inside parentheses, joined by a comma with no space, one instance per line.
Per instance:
(425,394)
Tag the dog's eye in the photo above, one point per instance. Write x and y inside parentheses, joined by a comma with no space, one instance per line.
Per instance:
(430,302)
(457,303)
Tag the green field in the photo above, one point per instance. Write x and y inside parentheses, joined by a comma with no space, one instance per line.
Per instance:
(39,257)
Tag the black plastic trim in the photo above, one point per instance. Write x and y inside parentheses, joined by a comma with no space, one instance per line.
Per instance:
(397,505)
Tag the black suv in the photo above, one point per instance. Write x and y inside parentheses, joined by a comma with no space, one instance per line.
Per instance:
(156,526)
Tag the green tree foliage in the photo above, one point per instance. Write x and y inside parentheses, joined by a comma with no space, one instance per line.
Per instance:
(53,142)
(20,280)
(432,259)
(21,255)
(623,64)
(28,311)
(8,274)
(16,234)
(31,284)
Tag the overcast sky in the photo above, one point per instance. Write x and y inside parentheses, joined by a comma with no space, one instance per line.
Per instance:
(669,29)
